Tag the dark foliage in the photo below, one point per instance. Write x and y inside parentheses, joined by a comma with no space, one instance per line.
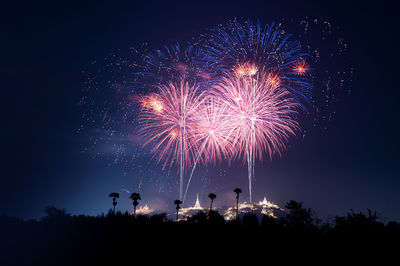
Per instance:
(63,239)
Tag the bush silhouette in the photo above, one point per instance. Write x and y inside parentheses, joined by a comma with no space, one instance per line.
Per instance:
(88,239)
(250,220)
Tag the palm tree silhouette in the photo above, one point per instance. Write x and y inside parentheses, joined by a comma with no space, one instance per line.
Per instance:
(178,206)
(115,196)
(237,191)
(212,196)
(135,197)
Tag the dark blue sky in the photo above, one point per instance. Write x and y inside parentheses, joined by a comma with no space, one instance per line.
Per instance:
(46,46)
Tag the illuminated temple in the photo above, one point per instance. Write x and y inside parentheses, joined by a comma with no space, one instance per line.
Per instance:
(186,212)
(264,207)
(144,210)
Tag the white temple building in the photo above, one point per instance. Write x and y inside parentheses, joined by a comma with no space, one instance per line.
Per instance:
(189,211)
(264,207)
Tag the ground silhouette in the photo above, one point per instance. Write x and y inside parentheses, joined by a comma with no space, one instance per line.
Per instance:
(63,239)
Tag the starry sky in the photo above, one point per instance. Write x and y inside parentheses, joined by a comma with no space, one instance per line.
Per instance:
(49,47)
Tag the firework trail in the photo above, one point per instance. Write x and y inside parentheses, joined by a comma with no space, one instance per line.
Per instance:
(167,121)
(261,112)
(212,133)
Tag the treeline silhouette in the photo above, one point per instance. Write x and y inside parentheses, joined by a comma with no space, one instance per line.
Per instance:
(61,238)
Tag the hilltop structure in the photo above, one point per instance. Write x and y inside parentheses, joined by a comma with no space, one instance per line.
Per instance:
(264,207)
(261,208)
(186,212)
(144,210)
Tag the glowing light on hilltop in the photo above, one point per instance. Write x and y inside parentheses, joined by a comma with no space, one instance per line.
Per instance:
(186,212)
(264,207)
(268,204)
(144,210)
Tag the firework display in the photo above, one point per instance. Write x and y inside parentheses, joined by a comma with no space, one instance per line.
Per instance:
(236,93)
(258,82)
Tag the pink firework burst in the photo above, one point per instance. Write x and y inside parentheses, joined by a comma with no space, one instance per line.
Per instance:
(167,121)
(261,113)
(213,131)
(259,109)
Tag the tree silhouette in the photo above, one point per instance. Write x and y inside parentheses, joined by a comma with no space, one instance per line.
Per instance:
(359,222)
(178,207)
(199,218)
(346,235)
(298,217)
(215,218)
(212,196)
(237,191)
(135,197)
(54,213)
(115,196)
(250,220)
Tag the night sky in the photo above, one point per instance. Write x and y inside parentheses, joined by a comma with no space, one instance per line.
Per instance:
(47,49)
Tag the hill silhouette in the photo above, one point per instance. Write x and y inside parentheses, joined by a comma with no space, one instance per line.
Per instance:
(63,239)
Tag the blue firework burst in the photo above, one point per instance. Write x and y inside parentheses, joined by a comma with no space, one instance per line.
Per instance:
(268,47)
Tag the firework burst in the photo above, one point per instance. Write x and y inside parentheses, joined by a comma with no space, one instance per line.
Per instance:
(213,133)
(246,48)
(261,113)
(167,121)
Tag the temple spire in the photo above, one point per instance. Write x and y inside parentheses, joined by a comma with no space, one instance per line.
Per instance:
(197,205)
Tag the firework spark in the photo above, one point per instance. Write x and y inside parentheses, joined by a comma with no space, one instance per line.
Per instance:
(301,67)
